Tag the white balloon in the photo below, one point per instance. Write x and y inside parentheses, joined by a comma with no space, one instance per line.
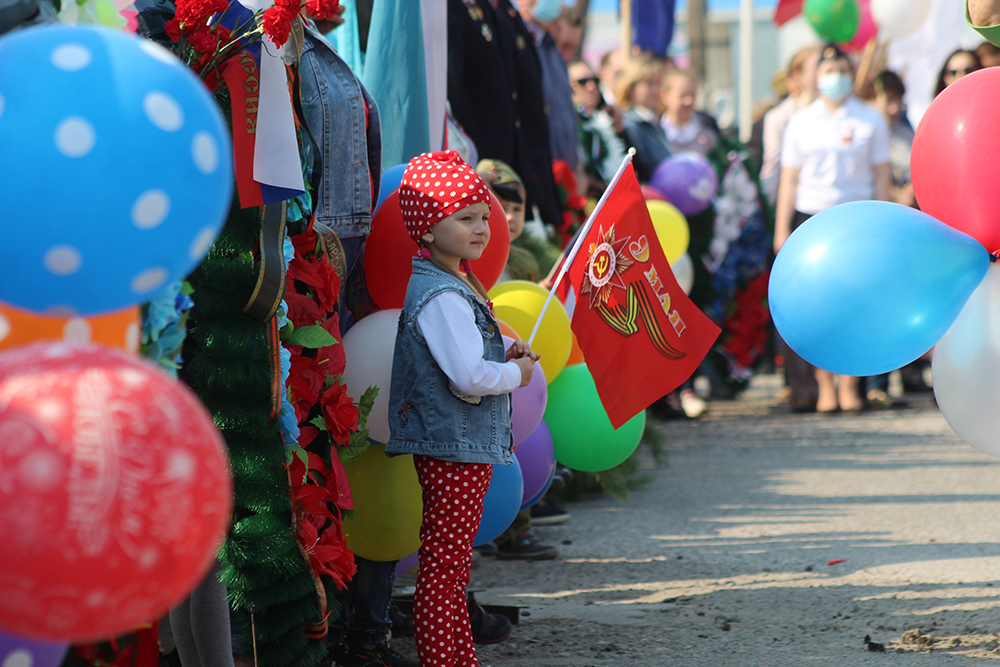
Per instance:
(966,359)
(684,272)
(898,18)
(368,347)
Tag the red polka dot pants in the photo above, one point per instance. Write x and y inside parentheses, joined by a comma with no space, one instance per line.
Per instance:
(453,505)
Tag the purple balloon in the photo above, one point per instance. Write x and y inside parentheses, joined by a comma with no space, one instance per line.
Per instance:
(407,563)
(527,403)
(17,651)
(538,461)
(538,496)
(688,180)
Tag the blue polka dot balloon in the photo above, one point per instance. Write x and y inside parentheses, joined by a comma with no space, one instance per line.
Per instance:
(115,170)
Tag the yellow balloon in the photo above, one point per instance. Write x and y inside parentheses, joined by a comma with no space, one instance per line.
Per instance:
(514,286)
(520,307)
(388,506)
(671,229)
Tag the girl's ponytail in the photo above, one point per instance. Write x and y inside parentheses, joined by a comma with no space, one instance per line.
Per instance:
(469,277)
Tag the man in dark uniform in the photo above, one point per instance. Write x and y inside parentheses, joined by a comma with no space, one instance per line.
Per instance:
(495,91)
(534,160)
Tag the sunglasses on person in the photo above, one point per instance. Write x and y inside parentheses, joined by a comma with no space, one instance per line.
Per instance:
(963,71)
(584,81)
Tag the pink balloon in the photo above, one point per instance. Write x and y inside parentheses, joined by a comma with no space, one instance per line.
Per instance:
(867,28)
(528,403)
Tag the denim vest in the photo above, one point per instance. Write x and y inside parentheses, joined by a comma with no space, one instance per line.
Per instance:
(333,106)
(426,414)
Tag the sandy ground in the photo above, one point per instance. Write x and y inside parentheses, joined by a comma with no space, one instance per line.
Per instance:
(771,540)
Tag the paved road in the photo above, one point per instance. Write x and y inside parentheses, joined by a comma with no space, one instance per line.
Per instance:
(728,556)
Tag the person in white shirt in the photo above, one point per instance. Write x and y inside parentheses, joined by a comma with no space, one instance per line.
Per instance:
(801,83)
(835,151)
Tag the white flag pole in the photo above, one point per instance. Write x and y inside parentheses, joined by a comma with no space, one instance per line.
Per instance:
(579,242)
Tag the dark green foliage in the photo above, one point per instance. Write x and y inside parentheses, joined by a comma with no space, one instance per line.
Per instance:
(228,363)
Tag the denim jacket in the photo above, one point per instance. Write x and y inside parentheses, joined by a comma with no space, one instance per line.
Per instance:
(333,106)
(426,414)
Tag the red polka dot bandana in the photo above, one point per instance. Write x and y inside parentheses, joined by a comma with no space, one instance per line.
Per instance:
(434,186)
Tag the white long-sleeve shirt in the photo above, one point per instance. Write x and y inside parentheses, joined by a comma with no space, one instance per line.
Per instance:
(448,324)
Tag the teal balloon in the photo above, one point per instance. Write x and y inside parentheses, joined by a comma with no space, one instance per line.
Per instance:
(833,20)
(582,434)
(867,287)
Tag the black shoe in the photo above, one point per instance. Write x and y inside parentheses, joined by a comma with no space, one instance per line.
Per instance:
(402,623)
(527,547)
(562,477)
(544,513)
(372,655)
(487,550)
(487,628)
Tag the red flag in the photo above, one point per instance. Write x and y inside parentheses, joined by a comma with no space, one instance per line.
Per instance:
(642,337)
(787,10)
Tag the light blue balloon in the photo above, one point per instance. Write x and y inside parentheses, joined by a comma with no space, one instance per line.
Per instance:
(867,287)
(115,169)
(502,502)
(391,180)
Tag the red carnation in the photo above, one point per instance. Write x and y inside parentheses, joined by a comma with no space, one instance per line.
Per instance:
(277,22)
(323,9)
(340,412)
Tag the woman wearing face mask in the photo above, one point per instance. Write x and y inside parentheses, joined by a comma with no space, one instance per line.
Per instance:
(835,151)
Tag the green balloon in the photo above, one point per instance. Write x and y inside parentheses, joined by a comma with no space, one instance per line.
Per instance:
(833,20)
(581,431)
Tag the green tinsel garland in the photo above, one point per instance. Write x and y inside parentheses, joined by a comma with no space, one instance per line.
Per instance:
(228,363)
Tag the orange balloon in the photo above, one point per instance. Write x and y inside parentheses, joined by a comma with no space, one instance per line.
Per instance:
(575,353)
(121,329)
(508,330)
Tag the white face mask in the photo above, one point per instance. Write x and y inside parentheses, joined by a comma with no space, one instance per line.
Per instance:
(547,11)
(835,85)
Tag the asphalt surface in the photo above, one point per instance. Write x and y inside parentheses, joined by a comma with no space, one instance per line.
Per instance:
(770,539)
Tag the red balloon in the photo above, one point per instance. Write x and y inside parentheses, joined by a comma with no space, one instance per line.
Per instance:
(389,251)
(114,492)
(649,192)
(954,157)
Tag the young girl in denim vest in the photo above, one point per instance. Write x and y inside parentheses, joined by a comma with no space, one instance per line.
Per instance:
(449,398)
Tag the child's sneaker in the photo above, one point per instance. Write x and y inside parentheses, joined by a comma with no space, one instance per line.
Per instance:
(527,547)
(544,513)
(487,628)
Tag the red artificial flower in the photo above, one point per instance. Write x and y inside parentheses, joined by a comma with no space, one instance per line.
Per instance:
(335,559)
(305,243)
(303,311)
(340,412)
(323,9)
(318,274)
(338,485)
(328,290)
(330,360)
